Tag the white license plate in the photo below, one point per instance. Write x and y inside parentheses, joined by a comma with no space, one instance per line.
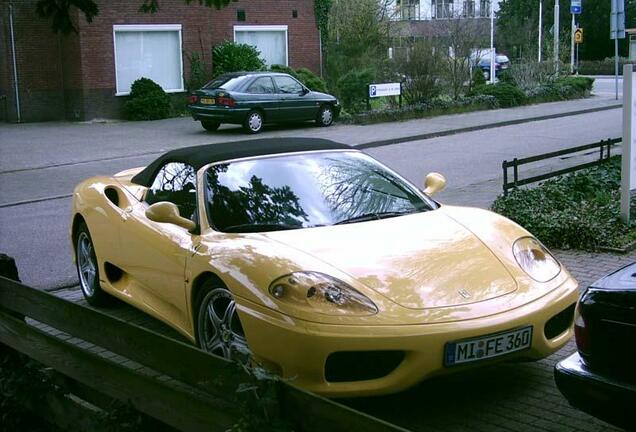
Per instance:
(207,101)
(484,347)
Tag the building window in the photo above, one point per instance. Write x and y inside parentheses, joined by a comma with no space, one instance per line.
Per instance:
(148,51)
(408,9)
(469,9)
(270,40)
(484,8)
(442,9)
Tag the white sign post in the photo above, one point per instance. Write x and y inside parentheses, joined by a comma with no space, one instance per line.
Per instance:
(628,167)
(388,89)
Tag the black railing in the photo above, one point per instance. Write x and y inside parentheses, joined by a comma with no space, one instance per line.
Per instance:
(604,154)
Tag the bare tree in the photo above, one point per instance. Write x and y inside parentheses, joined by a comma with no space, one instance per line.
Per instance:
(459,42)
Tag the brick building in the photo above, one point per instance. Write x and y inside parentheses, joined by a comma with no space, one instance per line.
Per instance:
(88,75)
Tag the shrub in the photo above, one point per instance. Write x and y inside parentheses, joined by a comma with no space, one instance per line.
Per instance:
(478,77)
(235,57)
(602,67)
(197,72)
(304,75)
(507,95)
(419,67)
(353,88)
(578,82)
(147,101)
(579,210)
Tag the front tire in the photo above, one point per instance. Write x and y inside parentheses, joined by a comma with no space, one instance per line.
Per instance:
(88,269)
(209,125)
(218,327)
(253,122)
(325,116)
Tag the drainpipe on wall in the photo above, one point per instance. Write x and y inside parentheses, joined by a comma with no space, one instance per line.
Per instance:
(15,65)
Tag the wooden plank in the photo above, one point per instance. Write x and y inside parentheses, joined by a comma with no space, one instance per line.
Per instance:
(312,413)
(176,359)
(187,410)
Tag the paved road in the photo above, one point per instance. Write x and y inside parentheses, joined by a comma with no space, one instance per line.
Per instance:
(606,86)
(35,233)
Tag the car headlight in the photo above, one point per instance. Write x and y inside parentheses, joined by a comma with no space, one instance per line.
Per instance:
(318,292)
(535,259)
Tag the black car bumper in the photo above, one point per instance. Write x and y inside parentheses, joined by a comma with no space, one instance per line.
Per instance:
(221,114)
(604,397)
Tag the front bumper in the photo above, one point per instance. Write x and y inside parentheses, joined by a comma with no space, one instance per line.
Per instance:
(221,114)
(601,396)
(298,350)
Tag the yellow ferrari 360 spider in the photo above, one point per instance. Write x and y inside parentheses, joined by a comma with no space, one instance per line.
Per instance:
(320,264)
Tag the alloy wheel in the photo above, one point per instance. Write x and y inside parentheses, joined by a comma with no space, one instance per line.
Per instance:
(326,116)
(86,264)
(255,122)
(220,329)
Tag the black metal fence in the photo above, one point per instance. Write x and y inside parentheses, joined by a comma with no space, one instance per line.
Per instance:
(604,147)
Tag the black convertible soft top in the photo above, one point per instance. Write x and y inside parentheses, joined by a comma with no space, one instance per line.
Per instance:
(199,156)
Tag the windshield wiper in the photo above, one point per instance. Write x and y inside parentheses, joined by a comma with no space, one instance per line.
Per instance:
(258,227)
(374,216)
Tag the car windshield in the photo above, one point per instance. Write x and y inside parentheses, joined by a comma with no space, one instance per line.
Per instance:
(226,83)
(306,190)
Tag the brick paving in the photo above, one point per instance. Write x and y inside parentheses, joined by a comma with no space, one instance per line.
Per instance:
(507,397)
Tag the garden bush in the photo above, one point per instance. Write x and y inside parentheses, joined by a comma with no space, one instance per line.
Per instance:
(478,78)
(236,57)
(602,67)
(577,211)
(304,75)
(578,82)
(353,88)
(507,95)
(147,101)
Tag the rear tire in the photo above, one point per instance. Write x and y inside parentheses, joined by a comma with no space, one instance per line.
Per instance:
(210,125)
(325,116)
(88,268)
(253,122)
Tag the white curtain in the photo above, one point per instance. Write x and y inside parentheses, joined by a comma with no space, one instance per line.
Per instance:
(151,54)
(271,43)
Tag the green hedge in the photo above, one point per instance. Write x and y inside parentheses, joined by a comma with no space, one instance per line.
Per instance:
(426,109)
(147,101)
(507,95)
(576,211)
(235,57)
(602,67)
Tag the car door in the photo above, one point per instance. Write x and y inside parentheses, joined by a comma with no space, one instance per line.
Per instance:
(262,93)
(295,102)
(155,253)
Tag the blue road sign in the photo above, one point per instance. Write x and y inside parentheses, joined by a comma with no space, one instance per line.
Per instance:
(575,6)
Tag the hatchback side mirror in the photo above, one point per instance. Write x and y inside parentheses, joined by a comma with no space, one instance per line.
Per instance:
(167,212)
(434,183)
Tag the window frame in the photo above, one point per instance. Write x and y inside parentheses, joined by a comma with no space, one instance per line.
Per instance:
(279,91)
(251,83)
(265,28)
(197,212)
(148,28)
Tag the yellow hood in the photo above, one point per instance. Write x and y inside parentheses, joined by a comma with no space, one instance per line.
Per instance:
(419,261)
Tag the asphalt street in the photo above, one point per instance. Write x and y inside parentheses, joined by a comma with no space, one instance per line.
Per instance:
(35,232)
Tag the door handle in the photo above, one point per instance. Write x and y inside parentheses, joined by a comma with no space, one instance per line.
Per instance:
(126,213)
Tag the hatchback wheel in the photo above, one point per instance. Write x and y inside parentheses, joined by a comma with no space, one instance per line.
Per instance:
(209,125)
(253,122)
(325,116)
(219,329)
(87,268)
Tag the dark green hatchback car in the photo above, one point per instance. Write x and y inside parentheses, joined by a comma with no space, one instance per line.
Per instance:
(253,99)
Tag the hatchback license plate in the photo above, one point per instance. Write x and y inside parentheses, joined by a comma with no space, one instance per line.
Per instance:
(207,101)
(484,347)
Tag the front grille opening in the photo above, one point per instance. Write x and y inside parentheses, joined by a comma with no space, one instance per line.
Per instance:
(344,366)
(559,323)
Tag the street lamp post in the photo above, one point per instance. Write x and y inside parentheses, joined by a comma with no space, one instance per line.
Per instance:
(540,19)
(492,43)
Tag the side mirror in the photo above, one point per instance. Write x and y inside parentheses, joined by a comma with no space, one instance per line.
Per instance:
(168,212)
(434,183)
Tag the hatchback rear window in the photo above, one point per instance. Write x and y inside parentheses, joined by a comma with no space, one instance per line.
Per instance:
(226,83)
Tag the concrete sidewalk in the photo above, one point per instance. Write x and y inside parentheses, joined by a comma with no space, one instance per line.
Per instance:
(65,143)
